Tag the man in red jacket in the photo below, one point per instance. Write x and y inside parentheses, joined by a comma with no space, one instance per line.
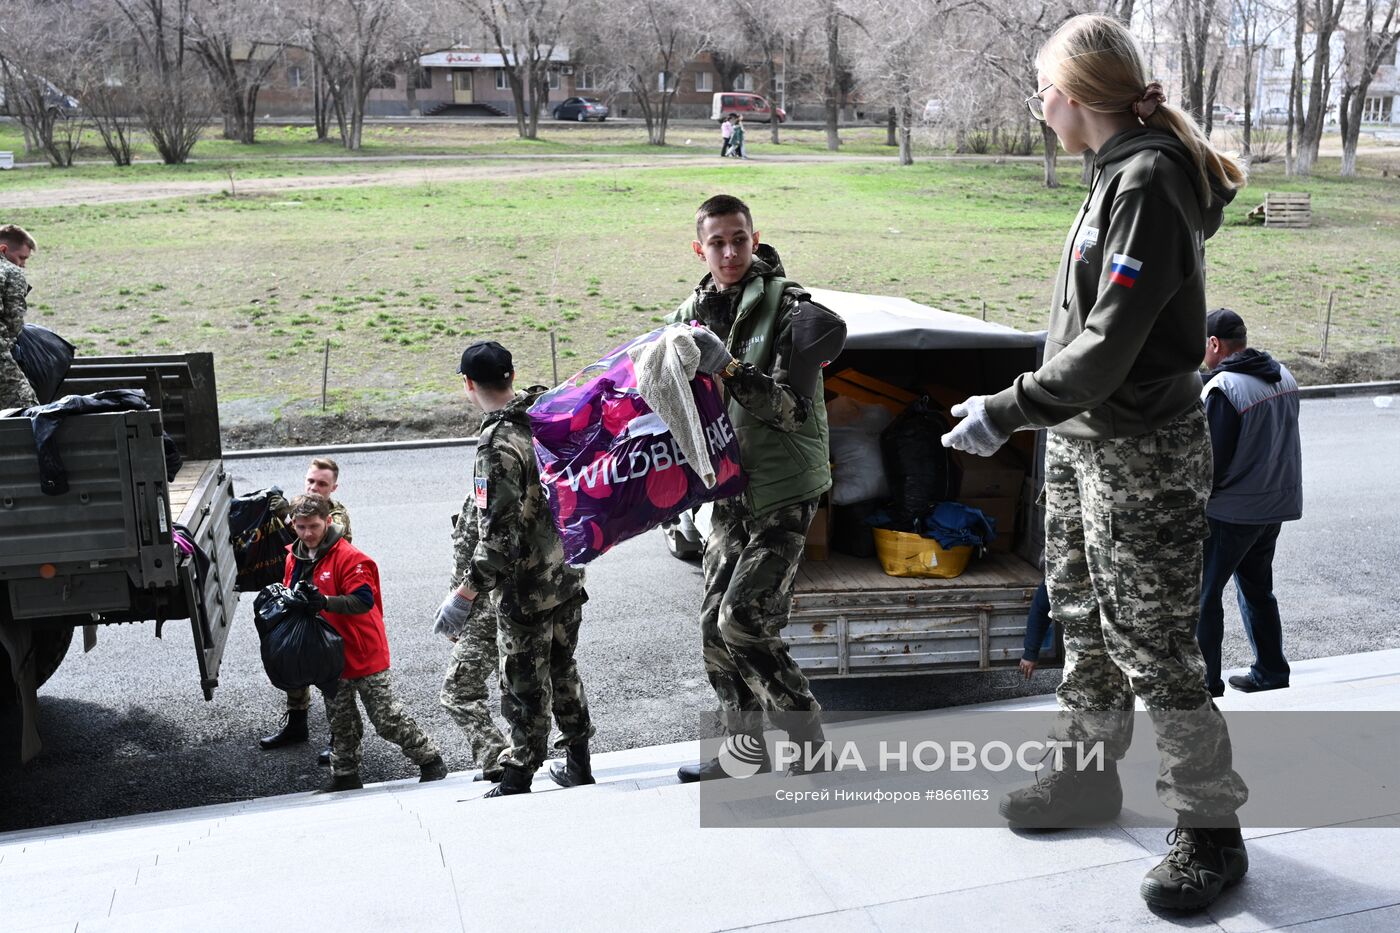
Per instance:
(342,584)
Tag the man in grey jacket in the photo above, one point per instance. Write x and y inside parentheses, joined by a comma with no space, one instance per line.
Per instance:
(1252,404)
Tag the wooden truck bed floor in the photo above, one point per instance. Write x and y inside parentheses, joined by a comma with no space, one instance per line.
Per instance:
(183,486)
(841,572)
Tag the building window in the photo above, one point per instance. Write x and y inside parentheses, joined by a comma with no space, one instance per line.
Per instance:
(704,81)
(744,82)
(294,79)
(422,79)
(588,79)
(665,82)
(1377,110)
(385,80)
(554,79)
(502,82)
(1277,57)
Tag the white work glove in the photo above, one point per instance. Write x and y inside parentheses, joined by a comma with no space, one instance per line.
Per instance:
(976,433)
(713,356)
(452,615)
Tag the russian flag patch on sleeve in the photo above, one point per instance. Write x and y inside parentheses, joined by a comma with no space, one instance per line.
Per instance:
(1123,270)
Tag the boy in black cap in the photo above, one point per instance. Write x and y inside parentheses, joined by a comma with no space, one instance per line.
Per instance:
(1251,403)
(514,553)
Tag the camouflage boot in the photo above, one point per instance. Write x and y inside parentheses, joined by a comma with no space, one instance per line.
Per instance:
(1066,799)
(339,782)
(576,769)
(435,769)
(1201,864)
(514,781)
(806,733)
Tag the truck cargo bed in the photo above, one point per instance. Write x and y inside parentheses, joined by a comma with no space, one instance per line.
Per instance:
(850,619)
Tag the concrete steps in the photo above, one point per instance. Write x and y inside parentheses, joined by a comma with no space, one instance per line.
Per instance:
(629,854)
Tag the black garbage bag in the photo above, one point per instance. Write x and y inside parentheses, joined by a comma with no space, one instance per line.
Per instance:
(173,460)
(299,648)
(260,540)
(920,472)
(53,475)
(45,359)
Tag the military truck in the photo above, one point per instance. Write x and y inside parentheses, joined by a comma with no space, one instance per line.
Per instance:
(849,618)
(104,552)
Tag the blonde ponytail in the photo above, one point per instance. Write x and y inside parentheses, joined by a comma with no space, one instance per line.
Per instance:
(1096,61)
(1210,162)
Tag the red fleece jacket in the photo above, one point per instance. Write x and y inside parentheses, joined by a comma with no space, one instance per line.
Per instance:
(339,572)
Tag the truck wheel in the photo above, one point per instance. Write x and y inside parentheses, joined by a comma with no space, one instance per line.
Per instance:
(50,648)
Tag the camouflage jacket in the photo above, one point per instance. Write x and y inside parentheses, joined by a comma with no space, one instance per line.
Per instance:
(518,558)
(14,295)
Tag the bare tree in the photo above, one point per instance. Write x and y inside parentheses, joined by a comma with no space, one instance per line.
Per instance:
(356,43)
(41,50)
(641,46)
(174,99)
(1324,16)
(526,34)
(1258,22)
(1367,47)
(901,49)
(764,28)
(1200,29)
(239,44)
(1012,35)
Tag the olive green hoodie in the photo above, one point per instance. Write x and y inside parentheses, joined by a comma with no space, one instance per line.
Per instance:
(1128,326)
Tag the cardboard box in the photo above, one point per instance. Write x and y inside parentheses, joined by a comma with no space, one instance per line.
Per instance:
(997,477)
(819,534)
(1004,511)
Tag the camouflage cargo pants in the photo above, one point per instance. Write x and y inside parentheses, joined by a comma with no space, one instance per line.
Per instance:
(15,390)
(385,713)
(538,676)
(475,661)
(750,566)
(1124,526)
(299,698)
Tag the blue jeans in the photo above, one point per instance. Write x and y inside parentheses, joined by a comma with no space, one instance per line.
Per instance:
(1245,552)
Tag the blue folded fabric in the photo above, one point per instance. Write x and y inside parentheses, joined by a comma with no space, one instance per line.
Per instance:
(953,524)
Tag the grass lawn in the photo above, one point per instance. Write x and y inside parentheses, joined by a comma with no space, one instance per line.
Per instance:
(400,278)
(213,156)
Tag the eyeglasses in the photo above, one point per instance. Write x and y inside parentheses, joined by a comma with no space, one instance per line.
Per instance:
(1036,104)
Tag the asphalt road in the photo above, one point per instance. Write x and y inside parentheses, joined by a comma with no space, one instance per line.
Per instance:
(127,730)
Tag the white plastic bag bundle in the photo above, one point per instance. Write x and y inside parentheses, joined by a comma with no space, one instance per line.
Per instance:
(858,470)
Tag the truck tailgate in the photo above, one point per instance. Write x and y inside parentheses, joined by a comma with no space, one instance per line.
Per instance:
(850,619)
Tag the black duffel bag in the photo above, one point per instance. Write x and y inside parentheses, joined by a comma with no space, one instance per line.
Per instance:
(45,358)
(920,472)
(260,540)
(299,648)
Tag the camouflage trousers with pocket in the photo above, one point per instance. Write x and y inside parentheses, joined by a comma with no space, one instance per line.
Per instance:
(1124,528)
(750,567)
(299,699)
(539,677)
(465,688)
(15,390)
(386,714)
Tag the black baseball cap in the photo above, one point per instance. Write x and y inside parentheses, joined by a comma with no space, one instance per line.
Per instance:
(486,361)
(1224,324)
